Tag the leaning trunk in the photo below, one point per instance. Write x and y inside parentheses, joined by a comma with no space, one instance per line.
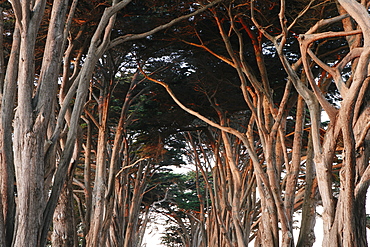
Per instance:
(6,148)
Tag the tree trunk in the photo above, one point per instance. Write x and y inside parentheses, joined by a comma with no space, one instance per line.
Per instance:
(2,224)
(64,229)
(95,235)
(6,147)
(28,135)
(307,234)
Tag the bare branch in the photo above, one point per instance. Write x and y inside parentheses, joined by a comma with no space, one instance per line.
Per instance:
(361,140)
(334,72)
(354,53)
(129,166)
(260,28)
(326,22)
(330,109)
(129,37)
(188,110)
(304,11)
(364,181)
(222,58)
(17,8)
(309,38)
(361,16)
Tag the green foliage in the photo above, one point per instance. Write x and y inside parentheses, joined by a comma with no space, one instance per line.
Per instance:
(172,237)
(179,201)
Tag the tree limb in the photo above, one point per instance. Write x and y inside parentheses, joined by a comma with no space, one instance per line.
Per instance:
(129,37)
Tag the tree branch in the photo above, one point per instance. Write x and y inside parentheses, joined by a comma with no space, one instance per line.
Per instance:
(129,37)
